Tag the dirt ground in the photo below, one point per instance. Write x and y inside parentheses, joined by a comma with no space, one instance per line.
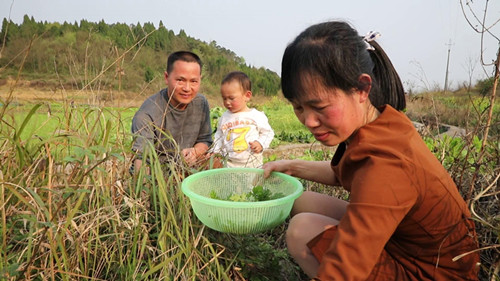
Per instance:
(24,91)
(295,150)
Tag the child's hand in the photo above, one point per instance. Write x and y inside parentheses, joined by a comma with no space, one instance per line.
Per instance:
(255,146)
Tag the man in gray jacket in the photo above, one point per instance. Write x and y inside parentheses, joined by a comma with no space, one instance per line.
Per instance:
(176,120)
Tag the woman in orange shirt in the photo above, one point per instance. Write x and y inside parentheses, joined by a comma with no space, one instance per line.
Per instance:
(405,219)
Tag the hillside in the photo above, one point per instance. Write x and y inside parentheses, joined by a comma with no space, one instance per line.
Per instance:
(108,58)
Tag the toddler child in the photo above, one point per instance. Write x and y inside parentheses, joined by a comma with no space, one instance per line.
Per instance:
(242,132)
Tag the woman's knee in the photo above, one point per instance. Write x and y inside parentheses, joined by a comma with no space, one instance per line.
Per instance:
(322,204)
(294,234)
(301,204)
(297,227)
(303,227)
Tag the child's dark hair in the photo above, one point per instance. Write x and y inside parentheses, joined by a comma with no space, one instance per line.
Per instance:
(334,53)
(240,77)
(182,56)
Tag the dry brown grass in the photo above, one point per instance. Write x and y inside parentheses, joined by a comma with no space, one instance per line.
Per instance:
(27,92)
(30,92)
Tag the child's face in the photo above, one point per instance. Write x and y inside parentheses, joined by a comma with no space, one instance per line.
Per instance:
(234,97)
(331,115)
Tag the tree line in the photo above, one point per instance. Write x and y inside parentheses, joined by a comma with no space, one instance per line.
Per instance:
(114,56)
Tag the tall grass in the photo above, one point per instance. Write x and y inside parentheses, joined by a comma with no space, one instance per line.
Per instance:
(70,209)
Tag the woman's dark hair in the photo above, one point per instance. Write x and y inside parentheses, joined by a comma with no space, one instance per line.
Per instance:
(182,56)
(335,53)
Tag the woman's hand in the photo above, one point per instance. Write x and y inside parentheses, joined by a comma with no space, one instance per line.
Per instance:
(283,166)
(316,171)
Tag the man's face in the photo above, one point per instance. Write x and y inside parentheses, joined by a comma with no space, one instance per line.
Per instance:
(183,83)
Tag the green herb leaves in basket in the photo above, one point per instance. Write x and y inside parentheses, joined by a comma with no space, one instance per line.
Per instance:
(212,192)
(258,193)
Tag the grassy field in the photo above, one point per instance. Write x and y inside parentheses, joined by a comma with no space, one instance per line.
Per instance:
(71,211)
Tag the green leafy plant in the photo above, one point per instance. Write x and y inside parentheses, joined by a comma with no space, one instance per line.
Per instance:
(258,193)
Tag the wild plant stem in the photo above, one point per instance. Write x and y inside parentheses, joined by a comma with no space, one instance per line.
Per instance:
(487,127)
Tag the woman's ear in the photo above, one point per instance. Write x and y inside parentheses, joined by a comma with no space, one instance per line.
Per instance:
(365,85)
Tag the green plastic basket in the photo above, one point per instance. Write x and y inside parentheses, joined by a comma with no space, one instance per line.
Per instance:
(240,217)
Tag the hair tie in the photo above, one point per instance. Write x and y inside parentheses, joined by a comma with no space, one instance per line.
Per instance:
(371,36)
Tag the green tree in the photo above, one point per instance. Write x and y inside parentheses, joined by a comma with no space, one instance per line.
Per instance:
(102,28)
(485,86)
(80,51)
(4,34)
(149,74)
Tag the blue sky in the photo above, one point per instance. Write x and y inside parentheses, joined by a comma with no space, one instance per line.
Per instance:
(415,34)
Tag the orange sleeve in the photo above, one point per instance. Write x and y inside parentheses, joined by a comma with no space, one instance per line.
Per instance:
(381,196)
